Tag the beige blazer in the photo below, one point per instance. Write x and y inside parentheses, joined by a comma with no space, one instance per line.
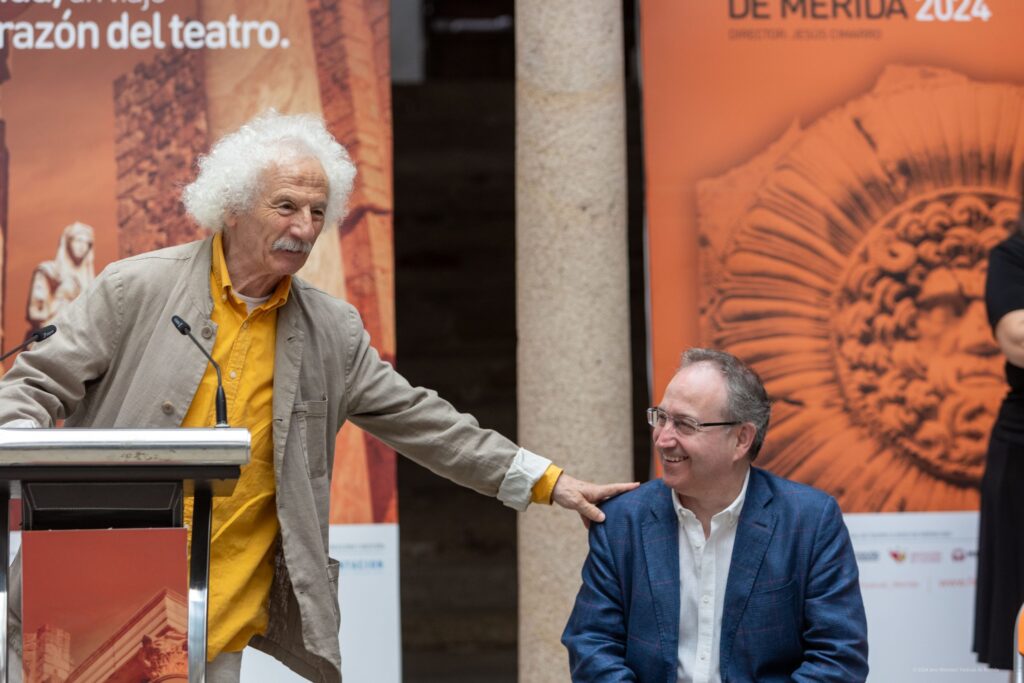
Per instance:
(117,361)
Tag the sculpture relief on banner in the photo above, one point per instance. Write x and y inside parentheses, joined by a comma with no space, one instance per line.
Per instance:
(56,283)
(847,263)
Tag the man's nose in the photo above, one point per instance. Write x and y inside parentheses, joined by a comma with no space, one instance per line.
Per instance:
(665,437)
(303,226)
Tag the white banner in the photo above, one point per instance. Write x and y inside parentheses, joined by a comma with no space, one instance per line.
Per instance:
(917,573)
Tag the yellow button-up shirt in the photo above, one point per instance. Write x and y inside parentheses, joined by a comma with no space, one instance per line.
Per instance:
(245,524)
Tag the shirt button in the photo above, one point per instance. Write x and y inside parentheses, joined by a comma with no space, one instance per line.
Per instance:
(245,325)
(232,374)
(206,332)
(703,656)
(706,600)
(167,407)
(224,296)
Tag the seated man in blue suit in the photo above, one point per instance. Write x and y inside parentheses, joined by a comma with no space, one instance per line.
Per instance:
(719,571)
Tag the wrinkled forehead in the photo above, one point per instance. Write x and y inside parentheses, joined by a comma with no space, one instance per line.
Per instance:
(301,173)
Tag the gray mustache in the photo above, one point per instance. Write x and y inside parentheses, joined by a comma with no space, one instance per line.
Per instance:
(288,244)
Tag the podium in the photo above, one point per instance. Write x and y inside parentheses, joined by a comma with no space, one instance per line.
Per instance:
(120,478)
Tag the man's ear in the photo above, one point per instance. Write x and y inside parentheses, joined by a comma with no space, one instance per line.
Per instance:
(745,434)
(230,220)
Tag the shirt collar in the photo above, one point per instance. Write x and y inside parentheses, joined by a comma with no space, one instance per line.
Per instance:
(730,514)
(222,279)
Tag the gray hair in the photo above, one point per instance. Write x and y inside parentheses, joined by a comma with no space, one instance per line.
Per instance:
(229,176)
(747,400)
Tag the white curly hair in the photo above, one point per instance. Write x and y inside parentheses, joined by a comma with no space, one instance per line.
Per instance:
(229,176)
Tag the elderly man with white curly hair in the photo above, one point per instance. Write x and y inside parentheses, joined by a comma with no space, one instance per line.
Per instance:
(300,363)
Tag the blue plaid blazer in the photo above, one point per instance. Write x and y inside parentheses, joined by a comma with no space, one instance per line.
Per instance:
(793,609)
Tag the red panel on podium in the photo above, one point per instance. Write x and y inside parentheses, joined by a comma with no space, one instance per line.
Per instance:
(105,605)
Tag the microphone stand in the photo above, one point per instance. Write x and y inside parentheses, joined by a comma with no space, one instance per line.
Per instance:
(37,336)
(222,402)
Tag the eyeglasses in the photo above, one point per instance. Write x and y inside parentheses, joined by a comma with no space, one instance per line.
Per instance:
(658,418)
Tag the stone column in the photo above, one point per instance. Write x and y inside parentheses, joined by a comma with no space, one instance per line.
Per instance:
(572,291)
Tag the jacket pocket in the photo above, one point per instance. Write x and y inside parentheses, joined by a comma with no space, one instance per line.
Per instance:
(333,569)
(311,419)
(775,596)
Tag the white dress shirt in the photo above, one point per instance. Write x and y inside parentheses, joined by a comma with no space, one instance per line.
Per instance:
(703,573)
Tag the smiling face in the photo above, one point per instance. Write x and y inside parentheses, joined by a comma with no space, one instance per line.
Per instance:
(273,238)
(707,467)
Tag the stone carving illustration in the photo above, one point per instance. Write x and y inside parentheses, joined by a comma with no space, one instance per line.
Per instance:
(57,282)
(847,262)
(150,646)
(164,658)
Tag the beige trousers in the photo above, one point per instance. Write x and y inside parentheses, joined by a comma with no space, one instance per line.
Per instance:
(225,668)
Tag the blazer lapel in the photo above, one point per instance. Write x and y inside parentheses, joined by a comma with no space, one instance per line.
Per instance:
(753,533)
(661,550)
(287,359)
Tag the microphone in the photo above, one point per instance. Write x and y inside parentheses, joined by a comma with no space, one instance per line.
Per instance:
(37,336)
(222,402)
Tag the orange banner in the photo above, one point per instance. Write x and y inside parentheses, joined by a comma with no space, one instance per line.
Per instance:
(107,106)
(824,182)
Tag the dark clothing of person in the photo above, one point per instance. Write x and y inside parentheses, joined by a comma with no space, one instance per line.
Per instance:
(1000,584)
(1004,292)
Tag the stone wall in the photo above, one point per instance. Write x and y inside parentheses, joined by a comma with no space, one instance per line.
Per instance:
(160,129)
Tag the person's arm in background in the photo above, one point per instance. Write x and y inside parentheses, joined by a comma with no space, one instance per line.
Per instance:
(1010,336)
(1004,299)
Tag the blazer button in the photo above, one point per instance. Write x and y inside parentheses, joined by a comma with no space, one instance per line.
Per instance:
(206,332)
(167,407)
